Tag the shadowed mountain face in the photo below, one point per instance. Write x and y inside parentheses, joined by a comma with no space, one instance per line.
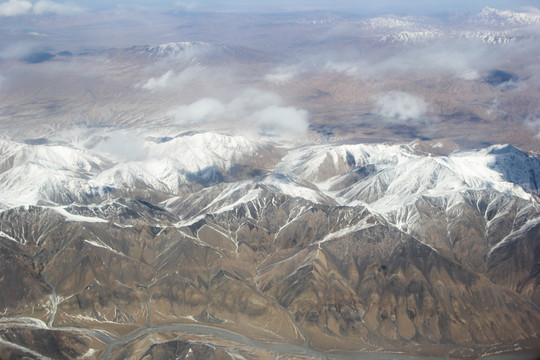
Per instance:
(426,269)
(499,77)
(38,57)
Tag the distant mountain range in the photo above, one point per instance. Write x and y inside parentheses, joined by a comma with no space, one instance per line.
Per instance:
(491,26)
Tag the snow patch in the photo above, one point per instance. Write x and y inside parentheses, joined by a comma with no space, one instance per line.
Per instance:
(77,218)
(89,354)
(250,196)
(99,244)
(516,234)
(291,188)
(362,225)
(3,234)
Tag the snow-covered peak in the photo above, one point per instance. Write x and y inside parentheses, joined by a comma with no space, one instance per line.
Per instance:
(412,37)
(294,188)
(176,49)
(491,26)
(320,19)
(62,173)
(382,176)
(173,163)
(14,154)
(387,177)
(492,37)
(424,37)
(50,173)
(491,16)
(515,166)
(319,163)
(34,183)
(197,151)
(393,22)
(270,189)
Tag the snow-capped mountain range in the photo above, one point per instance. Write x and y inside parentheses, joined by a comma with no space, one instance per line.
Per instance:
(506,18)
(66,174)
(235,218)
(491,26)
(382,177)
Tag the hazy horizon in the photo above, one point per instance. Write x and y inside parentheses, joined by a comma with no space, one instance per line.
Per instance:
(17,8)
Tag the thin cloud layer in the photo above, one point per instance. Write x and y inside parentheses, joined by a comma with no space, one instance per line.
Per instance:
(172,79)
(17,50)
(161,82)
(283,74)
(379,7)
(253,111)
(186,5)
(203,111)
(348,68)
(534,124)
(15,8)
(401,107)
(42,7)
(464,58)
(49,7)
(122,145)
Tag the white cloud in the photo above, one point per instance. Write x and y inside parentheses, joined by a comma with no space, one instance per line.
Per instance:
(279,121)
(24,7)
(282,75)
(122,145)
(186,5)
(347,68)
(534,124)
(159,83)
(203,111)
(462,58)
(171,79)
(253,111)
(15,8)
(17,50)
(401,107)
(253,100)
(461,64)
(50,7)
